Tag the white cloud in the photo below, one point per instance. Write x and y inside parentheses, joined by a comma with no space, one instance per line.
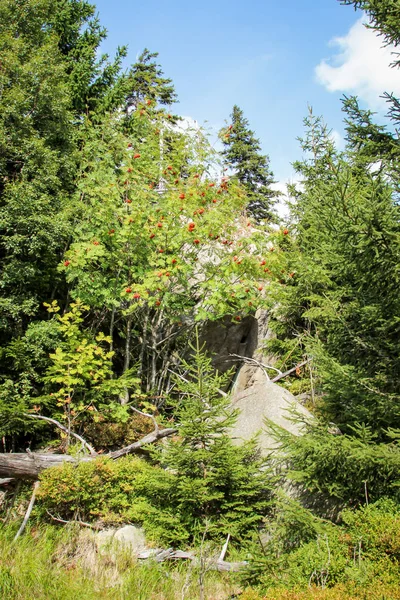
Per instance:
(361,66)
(337,139)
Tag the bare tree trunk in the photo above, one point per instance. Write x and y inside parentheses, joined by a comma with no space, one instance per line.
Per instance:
(30,465)
(124,398)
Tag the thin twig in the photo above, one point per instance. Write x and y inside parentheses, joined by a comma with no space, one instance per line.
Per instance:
(28,512)
(256,362)
(60,426)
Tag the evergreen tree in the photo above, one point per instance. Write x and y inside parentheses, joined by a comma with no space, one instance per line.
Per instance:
(347,251)
(218,487)
(242,153)
(147,82)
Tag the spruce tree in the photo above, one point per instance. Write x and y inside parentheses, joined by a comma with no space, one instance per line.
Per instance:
(242,153)
(219,487)
(148,82)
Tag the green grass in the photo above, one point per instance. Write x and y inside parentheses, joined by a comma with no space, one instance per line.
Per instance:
(51,563)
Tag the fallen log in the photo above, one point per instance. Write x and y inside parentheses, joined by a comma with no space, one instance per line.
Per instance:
(30,464)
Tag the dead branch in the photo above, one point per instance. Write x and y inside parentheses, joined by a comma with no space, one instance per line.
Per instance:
(224,549)
(64,429)
(150,438)
(82,523)
(187,381)
(28,512)
(160,555)
(156,427)
(6,481)
(30,465)
(286,373)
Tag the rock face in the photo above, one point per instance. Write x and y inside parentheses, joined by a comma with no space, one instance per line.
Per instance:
(226,342)
(130,536)
(263,401)
(242,346)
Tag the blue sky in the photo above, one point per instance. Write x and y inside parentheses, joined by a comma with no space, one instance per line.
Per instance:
(271,58)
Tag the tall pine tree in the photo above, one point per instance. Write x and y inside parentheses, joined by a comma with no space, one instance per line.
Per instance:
(242,153)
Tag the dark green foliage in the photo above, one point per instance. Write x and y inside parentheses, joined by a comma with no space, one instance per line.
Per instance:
(362,551)
(148,82)
(338,470)
(242,153)
(348,248)
(217,482)
(200,483)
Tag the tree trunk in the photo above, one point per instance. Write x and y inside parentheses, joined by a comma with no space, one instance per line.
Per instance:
(30,465)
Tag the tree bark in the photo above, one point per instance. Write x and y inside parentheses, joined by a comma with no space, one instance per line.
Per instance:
(30,465)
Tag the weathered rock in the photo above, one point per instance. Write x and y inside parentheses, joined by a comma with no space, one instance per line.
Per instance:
(130,536)
(227,341)
(263,401)
(223,338)
(250,373)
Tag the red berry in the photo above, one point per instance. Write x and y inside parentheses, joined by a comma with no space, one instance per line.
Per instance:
(167,274)
(129,145)
(262,263)
(191,226)
(169,168)
(152,235)
(176,181)
(66,263)
(136,296)
(159,225)
(111,231)
(158,303)
(181,196)
(174,261)
(214,200)
(136,155)
(96,243)
(211,184)
(128,290)
(148,102)
(196,176)
(161,250)
(128,201)
(237,318)
(130,170)
(285,231)
(196,241)
(260,288)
